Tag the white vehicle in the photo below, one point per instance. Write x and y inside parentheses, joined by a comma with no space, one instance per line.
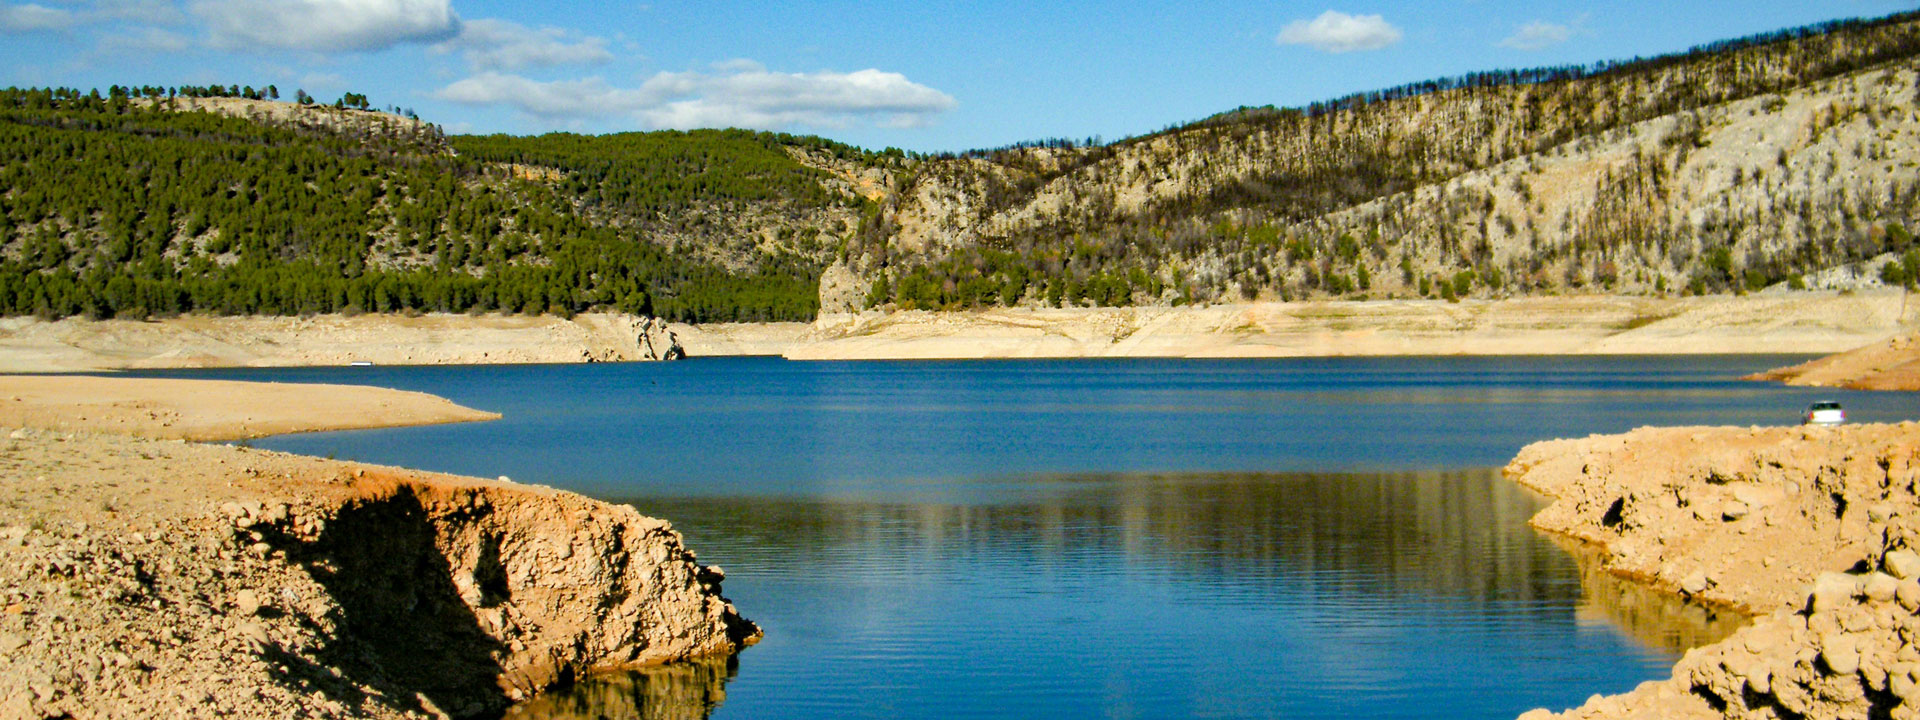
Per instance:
(1825,412)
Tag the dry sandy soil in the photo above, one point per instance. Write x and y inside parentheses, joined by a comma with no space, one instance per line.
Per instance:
(30,345)
(1890,365)
(1804,322)
(213,409)
(1809,322)
(1811,530)
(158,578)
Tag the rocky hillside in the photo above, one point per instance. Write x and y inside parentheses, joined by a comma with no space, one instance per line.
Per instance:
(1782,159)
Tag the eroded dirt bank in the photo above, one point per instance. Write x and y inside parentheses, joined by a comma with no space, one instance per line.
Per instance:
(149,577)
(1812,530)
(1893,364)
(152,578)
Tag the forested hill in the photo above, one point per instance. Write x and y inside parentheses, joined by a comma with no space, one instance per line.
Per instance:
(1787,160)
(131,203)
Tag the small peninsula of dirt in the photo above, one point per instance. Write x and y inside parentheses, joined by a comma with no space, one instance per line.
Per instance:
(145,577)
(1813,531)
(213,409)
(1890,365)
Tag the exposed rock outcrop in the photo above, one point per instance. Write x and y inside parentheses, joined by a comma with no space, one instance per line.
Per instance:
(667,347)
(842,290)
(1810,529)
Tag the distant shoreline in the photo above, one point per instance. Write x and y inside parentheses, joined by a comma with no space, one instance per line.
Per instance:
(1768,323)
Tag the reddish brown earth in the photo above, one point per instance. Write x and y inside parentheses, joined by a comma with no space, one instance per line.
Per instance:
(146,578)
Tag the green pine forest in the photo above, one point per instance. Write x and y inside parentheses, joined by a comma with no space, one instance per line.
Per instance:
(114,205)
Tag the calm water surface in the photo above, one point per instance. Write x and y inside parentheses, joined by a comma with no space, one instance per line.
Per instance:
(1138,538)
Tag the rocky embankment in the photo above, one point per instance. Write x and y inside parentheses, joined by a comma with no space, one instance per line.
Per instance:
(158,578)
(1812,530)
(1890,365)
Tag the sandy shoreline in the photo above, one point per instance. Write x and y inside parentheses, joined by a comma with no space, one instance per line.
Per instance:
(75,345)
(118,535)
(1768,323)
(213,409)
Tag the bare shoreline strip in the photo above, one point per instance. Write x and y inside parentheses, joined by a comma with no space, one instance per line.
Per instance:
(1776,323)
(212,410)
(1764,323)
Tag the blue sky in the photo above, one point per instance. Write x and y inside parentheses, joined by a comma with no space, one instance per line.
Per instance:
(922,76)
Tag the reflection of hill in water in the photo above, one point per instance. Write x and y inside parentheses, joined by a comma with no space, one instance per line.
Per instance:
(1447,536)
(1354,546)
(682,691)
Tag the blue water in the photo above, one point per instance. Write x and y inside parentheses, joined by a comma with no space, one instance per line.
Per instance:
(763,426)
(1101,538)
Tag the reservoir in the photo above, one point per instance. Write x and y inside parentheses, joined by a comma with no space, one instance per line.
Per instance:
(1319,538)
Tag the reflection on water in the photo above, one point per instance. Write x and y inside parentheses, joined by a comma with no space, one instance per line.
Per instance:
(681,691)
(1226,595)
(1650,616)
(1442,534)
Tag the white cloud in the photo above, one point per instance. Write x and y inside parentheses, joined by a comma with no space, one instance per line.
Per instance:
(322,81)
(733,94)
(1338,32)
(1538,35)
(153,12)
(591,97)
(326,25)
(147,40)
(34,18)
(489,44)
(143,15)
